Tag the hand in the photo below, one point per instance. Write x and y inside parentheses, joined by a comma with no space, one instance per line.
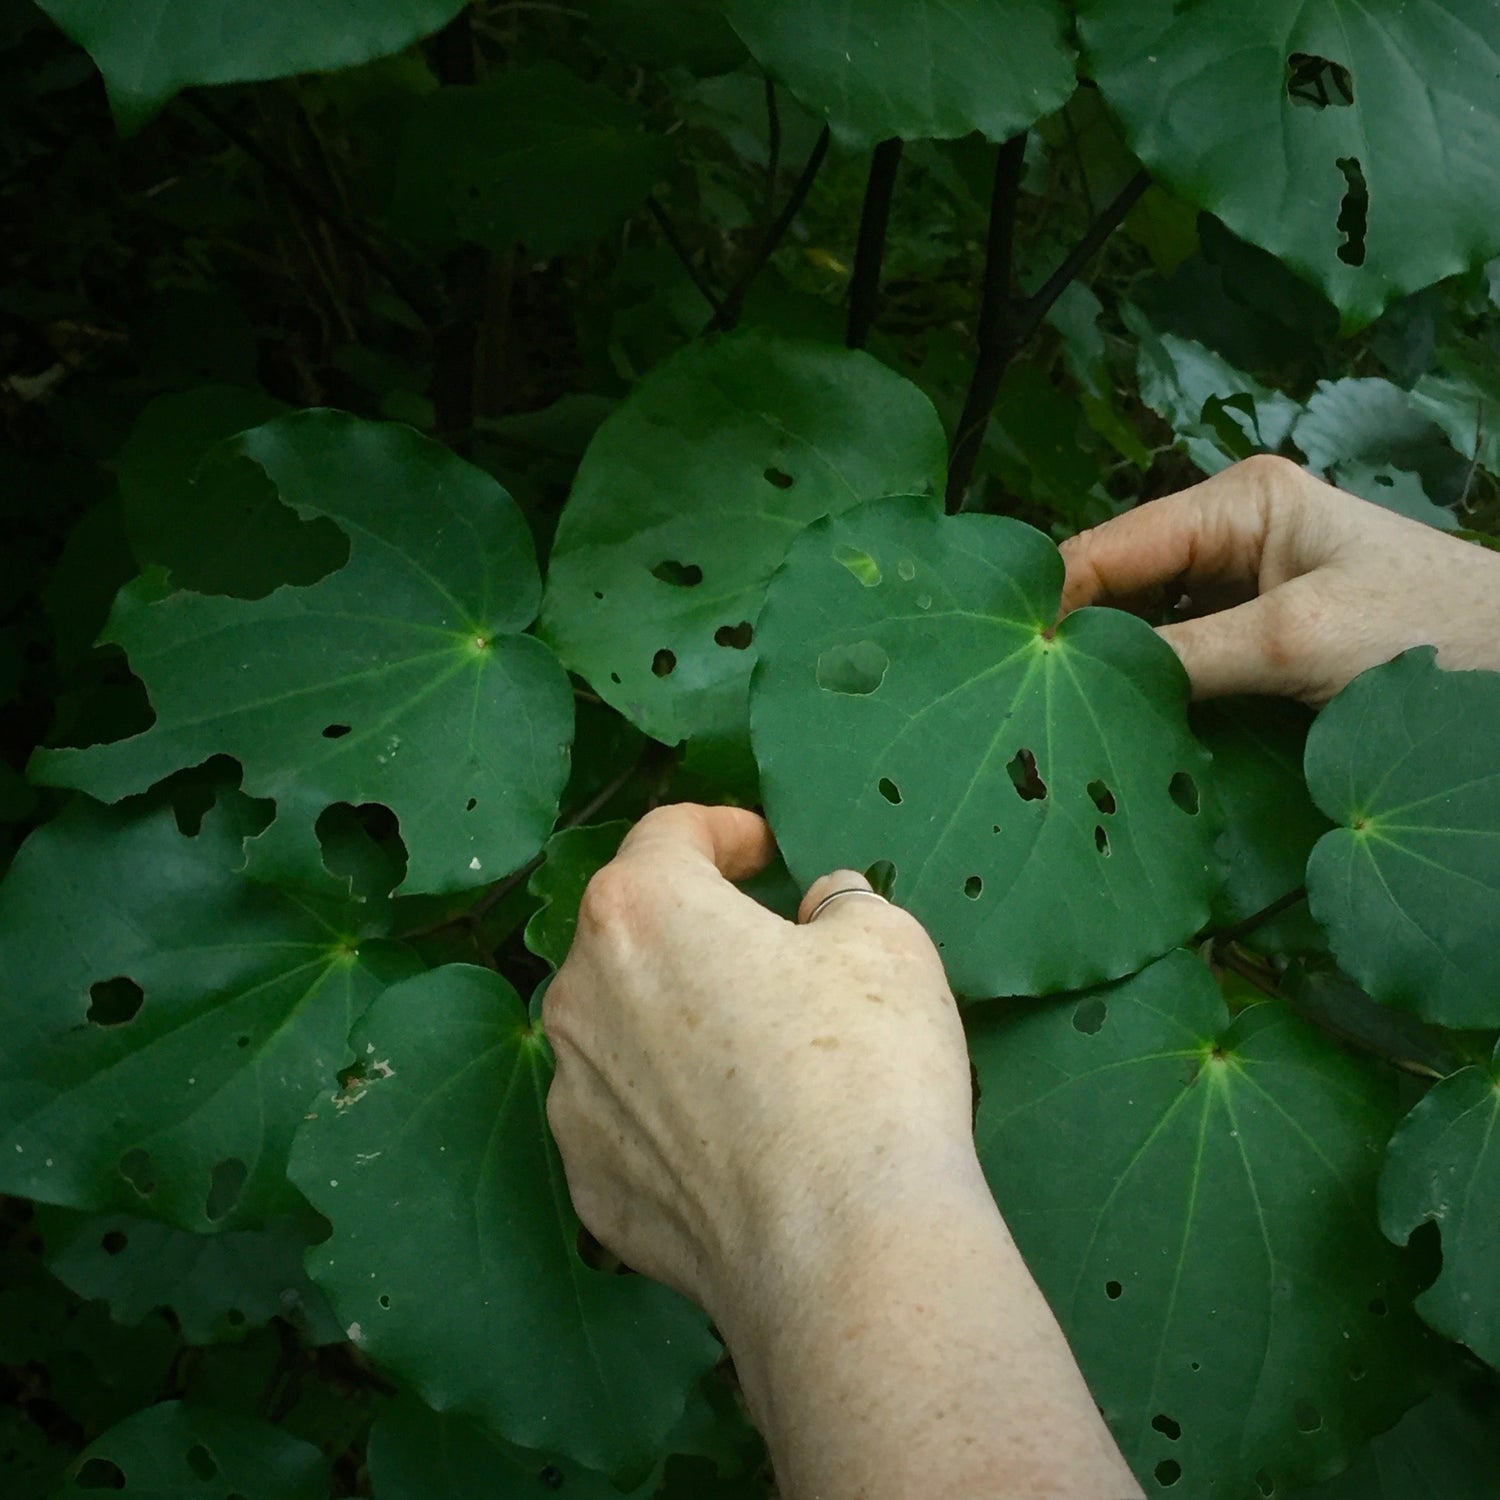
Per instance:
(1312,584)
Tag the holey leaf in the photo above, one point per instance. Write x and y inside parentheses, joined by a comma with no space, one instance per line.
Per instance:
(1407,885)
(454,1236)
(1315,131)
(1443,1164)
(688,498)
(166,1020)
(402,678)
(1196,1198)
(925,68)
(1037,791)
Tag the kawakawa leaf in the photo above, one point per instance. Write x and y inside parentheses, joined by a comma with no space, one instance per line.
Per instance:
(166,1020)
(1036,789)
(436,1168)
(688,498)
(1407,885)
(402,678)
(1196,1198)
(1443,1164)
(572,857)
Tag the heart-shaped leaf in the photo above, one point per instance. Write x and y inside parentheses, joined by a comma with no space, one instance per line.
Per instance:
(1196,1198)
(1407,885)
(1036,789)
(400,679)
(435,1166)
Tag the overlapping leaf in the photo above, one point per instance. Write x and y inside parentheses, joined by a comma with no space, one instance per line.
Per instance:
(1443,1165)
(688,498)
(401,679)
(436,1168)
(572,857)
(1036,790)
(166,1020)
(1196,1198)
(1351,145)
(1407,885)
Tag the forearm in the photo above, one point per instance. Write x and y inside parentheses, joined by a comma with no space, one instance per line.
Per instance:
(908,1352)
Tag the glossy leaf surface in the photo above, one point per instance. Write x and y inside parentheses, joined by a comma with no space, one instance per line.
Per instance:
(572,857)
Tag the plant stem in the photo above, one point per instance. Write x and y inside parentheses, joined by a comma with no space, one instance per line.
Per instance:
(734,303)
(773,145)
(1256,919)
(995,344)
(869,255)
(680,250)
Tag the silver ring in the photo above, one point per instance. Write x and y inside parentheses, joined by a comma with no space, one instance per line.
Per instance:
(849,890)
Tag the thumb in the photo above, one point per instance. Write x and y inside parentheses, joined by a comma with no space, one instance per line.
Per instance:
(860,913)
(1253,648)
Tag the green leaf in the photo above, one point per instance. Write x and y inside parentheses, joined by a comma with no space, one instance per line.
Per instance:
(149,50)
(689,34)
(537,155)
(454,1236)
(1368,420)
(166,1020)
(1464,400)
(178,1452)
(689,497)
(401,679)
(926,68)
(1407,884)
(1314,132)
(1443,1165)
(1196,1198)
(1036,790)
(1396,489)
(568,864)
(216,1285)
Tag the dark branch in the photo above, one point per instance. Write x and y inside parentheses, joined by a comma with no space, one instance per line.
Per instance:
(995,343)
(869,255)
(680,250)
(773,144)
(1256,919)
(734,303)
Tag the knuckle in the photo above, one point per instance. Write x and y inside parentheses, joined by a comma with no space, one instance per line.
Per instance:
(608,900)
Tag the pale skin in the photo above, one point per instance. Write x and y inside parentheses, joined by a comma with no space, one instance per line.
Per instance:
(775,1118)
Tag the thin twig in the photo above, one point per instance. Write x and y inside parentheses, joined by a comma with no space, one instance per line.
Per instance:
(680,250)
(734,302)
(869,254)
(1249,973)
(1257,919)
(773,145)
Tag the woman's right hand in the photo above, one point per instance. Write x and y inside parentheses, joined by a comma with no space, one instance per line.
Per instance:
(1295,586)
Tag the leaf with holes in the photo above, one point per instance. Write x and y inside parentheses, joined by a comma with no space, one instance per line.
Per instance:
(926,68)
(1196,1198)
(179,1452)
(1395,489)
(401,679)
(436,1167)
(149,50)
(166,1020)
(572,857)
(1407,885)
(536,155)
(1352,146)
(1036,789)
(1443,1164)
(688,498)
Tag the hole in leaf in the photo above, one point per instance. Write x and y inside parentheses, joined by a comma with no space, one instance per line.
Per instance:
(1183,790)
(1194,1365)
(100,1474)
(679,575)
(1102,798)
(780,478)
(882,877)
(1166,1426)
(225,1185)
(1088,1017)
(996,828)
(1265,1484)
(201,1461)
(1385,481)
(890,791)
(1025,777)
(113,1002)
(1378,1307)
(614,677)
(1354,211)
(859,562)
(1309,1418)
(974,887)
(1168,1472)
(1101,840)
(551,1477)
(335,731)
(113,1242)
(664,663)
(1314,82)
(137,1169)
(856,670)
(736,637)
(471,804)
(243,1041)
(1112,1290)
(384,1299)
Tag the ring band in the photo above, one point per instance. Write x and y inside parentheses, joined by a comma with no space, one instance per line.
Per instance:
(850,890)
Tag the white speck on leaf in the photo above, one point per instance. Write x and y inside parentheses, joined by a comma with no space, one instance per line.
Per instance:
(474,863)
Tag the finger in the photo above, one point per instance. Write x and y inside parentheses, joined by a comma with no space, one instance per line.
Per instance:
(729,841)
(1252,648)
(822,888)
(864,915)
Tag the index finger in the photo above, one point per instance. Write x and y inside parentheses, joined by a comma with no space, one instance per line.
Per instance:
(729,840)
